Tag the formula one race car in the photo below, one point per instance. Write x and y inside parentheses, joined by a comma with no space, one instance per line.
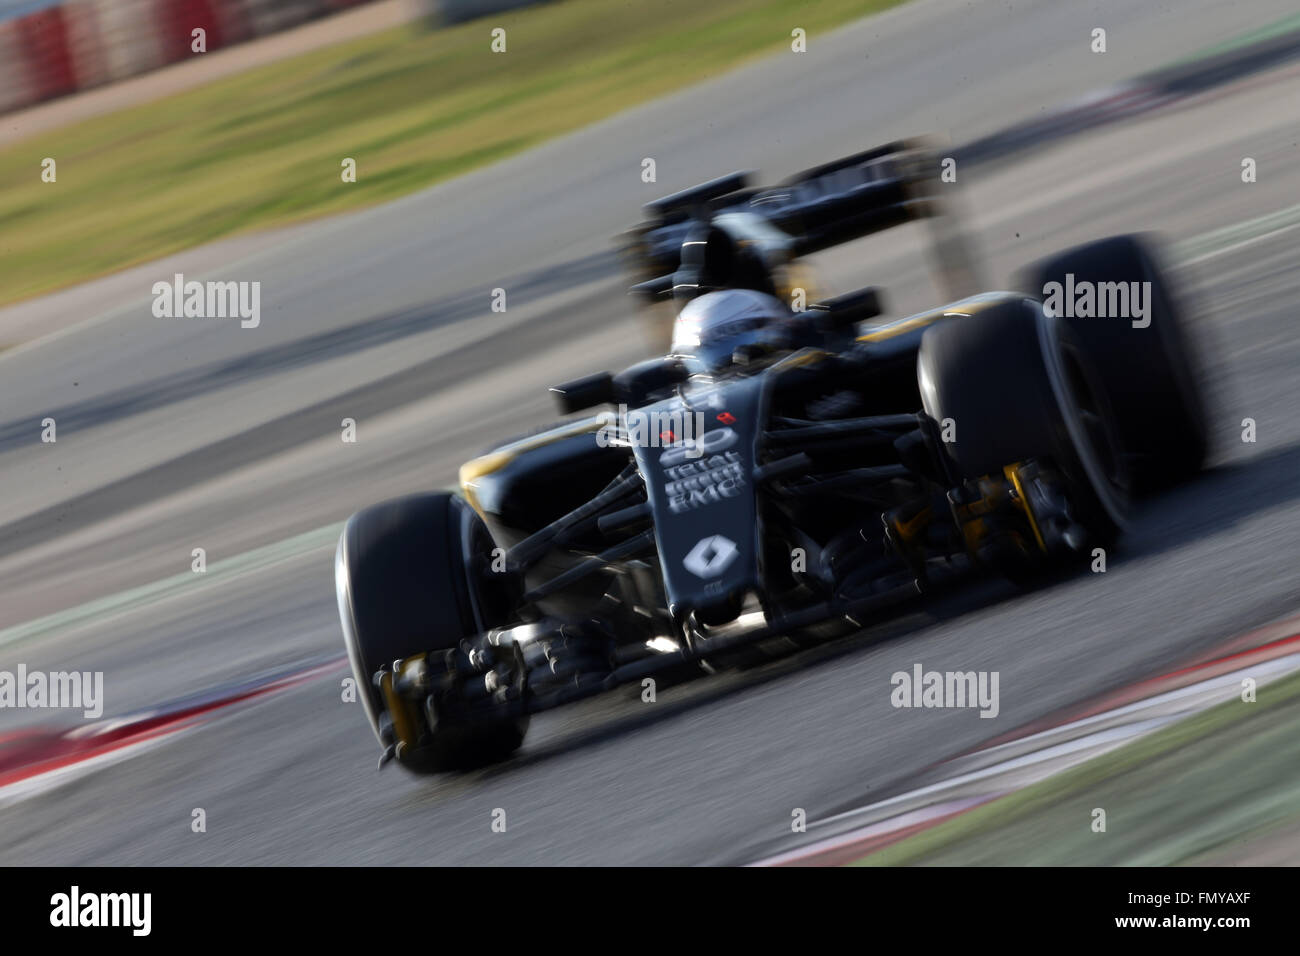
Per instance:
(779,475)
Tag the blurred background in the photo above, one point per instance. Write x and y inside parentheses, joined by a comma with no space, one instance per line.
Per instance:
(50,48)
(189,147)
(479,171)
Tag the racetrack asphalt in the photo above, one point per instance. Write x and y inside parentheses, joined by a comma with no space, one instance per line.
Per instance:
(176,435)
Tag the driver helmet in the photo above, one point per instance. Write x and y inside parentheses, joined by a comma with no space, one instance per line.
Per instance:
(712,326)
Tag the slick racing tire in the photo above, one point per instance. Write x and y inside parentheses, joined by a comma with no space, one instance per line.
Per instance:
(1151,373)
(1012,384)
(411,576)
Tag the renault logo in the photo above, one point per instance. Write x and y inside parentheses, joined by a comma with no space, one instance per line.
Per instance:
(710,556)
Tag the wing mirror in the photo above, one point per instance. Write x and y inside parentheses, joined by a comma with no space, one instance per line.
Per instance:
(635,384)
(586,392)
(843,312)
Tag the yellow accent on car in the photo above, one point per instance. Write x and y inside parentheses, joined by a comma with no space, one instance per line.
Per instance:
(907,530)
(799,359)
(1013,475)
(404,725)
(498,458)
(970,306)
(899,327)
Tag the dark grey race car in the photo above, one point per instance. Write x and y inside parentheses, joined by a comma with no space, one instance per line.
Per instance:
(780,474)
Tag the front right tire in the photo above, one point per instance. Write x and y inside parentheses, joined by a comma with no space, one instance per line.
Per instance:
(1151,372)
(1015,384)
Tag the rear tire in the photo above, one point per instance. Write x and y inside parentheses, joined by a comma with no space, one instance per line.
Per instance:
(1152,375)
(411,577)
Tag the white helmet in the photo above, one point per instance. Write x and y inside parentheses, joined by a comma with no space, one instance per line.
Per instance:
(712,326)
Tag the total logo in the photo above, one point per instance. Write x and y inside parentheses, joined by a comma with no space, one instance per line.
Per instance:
(710,556)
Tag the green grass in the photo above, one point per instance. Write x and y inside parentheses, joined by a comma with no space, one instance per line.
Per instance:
(1207,784)
(1277,28)
(411,106)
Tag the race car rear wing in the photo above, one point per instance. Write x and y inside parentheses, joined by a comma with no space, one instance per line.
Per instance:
(825,206)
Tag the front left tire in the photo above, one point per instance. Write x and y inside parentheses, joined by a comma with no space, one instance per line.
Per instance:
(412,575)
